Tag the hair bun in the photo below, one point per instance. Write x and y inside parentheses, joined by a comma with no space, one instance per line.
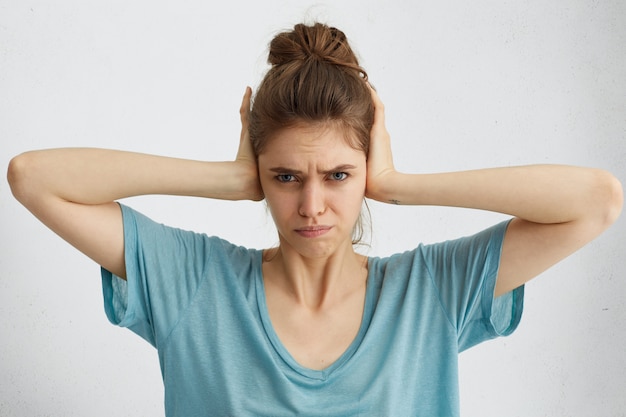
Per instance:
(315,79)
(318,42)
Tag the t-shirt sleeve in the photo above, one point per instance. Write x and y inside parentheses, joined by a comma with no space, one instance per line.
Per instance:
(464,271)
(164,268)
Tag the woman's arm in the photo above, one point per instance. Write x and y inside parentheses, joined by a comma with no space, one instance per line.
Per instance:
(558,209)
(72,191)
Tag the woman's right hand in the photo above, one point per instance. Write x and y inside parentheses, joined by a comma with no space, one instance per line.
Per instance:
(245,154)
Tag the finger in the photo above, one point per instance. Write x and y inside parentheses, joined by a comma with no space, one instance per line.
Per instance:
(378,104)
(244,110)
(379,112)
(244,113)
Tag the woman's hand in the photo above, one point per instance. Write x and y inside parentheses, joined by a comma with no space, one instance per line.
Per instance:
(245,155)
(380,169)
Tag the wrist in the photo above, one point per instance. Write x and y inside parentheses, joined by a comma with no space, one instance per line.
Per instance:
(241,180)
(386,187)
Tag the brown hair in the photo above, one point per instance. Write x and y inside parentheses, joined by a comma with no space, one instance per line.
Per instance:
(315,78)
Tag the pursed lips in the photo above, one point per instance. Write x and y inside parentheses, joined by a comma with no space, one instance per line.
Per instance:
(313,231)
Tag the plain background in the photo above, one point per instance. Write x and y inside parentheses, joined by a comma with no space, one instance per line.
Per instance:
(465,84)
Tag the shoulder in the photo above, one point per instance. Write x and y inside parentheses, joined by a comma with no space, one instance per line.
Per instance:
(484,243)
(434,258)
(147,232)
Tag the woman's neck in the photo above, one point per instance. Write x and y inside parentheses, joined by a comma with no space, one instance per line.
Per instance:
(315,283)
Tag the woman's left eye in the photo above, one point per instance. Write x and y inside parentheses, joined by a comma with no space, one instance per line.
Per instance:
(338,176)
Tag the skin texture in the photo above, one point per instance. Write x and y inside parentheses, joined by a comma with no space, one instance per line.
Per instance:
(314,185)
(315,282)
(312,179)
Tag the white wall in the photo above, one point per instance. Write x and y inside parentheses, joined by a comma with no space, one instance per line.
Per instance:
(466,85)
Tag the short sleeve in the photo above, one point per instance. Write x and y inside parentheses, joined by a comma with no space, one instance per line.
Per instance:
(464,271)
(164,268)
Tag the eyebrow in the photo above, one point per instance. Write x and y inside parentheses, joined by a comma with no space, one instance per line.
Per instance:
(338,168)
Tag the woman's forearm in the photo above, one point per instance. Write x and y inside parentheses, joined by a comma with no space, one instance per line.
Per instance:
(539,193)
(96,176)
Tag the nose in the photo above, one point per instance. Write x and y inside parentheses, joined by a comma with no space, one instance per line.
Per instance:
(312,200)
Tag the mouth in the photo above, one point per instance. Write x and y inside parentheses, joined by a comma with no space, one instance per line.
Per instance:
(313,231)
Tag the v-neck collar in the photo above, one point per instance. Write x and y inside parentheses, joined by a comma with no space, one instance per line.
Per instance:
(282,351)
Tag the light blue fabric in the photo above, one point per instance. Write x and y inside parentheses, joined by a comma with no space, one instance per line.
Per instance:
(201,302)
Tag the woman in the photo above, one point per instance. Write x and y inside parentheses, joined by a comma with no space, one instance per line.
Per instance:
(311,327)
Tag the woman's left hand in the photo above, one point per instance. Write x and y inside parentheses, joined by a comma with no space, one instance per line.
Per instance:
(380,169)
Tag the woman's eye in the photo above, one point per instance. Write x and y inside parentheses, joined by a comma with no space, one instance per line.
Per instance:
(338,176)
(285,178)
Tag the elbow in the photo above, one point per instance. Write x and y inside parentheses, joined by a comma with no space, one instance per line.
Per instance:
(612,199)
(18,175)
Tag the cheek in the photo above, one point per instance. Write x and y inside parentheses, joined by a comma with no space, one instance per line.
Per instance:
(279,206)
(351,200)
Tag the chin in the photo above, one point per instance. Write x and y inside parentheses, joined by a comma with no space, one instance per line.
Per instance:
(313,251)
(318,250)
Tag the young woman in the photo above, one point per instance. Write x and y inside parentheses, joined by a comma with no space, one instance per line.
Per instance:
(311,327)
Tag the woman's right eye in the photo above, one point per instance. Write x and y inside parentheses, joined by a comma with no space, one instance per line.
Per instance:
(285,178)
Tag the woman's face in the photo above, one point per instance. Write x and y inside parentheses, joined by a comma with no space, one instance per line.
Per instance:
(314,185)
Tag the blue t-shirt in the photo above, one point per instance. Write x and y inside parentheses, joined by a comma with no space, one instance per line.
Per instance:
(201,302)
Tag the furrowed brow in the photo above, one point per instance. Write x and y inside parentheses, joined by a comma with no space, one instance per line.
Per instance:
(338,168)
(283,170)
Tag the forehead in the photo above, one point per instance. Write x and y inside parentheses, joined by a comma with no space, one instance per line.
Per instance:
(310,141)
